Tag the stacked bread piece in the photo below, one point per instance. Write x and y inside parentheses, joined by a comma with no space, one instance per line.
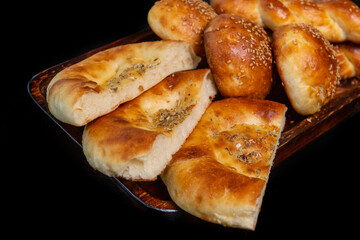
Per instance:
(100,83)
(136,140)
(149,112)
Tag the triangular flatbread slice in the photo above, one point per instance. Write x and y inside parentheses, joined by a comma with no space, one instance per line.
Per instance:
(221,171)
(136,141)
(100,83)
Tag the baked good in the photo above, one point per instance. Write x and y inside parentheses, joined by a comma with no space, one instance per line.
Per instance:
(246,8)
(348,56)
(220,172)
(98,84)
(346,14)
(307,66)
(346,68)
(181,20)
(337,20)
(239,55)
(137,139)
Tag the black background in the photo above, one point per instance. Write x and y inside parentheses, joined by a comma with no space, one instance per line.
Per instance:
(49,189)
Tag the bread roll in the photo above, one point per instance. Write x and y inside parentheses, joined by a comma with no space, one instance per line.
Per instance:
(246,8)
(346,68)
(98,84)
(277,13)
(220,172)
(337,20)
(181,20)
(307,66)
(346,14)
(348,55)
(239,55)
(137,140)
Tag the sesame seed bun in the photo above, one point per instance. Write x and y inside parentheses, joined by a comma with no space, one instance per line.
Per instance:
(239,54)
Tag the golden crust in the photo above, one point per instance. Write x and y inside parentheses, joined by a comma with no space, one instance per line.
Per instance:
(346,14)
(127,134)
(220,172)
(181,20)
(337,20)
(98,84)
(307,66)
(351,52)
(245,8)
(277,13)
(239,55)
(274,13)
(346,68)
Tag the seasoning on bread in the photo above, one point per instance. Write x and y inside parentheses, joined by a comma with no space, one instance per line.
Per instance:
(98,84)
(239,55)
(220,172)
(137,140)
(307,66)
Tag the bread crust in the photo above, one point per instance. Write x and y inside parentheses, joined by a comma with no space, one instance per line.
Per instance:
(121,142)
(181,20)
(245,8)
(346,14)
(307,66)
(337,20)
(98,84)
(346,68)
(351,52)
(220,172)
(239,55)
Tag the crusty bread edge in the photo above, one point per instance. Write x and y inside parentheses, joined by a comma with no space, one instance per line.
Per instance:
(151,164)
(83,95)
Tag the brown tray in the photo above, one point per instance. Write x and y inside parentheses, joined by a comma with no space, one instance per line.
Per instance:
(298,131)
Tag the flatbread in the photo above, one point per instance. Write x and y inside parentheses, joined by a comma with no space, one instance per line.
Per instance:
(220,172)
(137,140)
(97,85)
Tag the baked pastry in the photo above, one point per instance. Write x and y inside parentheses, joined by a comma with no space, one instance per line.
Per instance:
(220,172)
(137,140)
(239,55)
(337,20)
(307,66)
(246,8)
(346,14)
(181,20)
(98,84)
(346,68)
(348,56)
